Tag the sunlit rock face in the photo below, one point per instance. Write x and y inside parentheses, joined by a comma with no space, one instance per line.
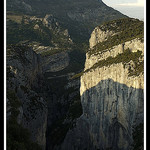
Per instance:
(112,103)
(112,97)
(110,109)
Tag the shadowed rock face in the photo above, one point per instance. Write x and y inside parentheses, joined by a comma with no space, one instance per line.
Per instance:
(25,79)
(56,62)
(110,108)
(45,93)
(112,98)
(110,111)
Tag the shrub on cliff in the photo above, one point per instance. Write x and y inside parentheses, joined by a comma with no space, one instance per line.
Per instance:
(126,29)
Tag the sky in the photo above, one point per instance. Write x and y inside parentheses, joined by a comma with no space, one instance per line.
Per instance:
(131,8)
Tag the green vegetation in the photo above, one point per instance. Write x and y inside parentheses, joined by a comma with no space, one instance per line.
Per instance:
(78,28)
(126,29)
(18,137)
(53,51)
(17,32)
(124,58)
(61,39)
(122,24)
(70,111)
(78,75)
(16,18)
(139,67)
(29,31)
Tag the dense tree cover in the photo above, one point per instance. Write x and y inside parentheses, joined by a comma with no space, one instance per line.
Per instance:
(26,32)
(122,24)
(31,31)
(79,17)
(126,29)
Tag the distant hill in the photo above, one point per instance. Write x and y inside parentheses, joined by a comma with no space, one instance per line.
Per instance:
(79,17)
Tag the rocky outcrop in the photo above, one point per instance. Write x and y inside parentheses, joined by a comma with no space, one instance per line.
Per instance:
(112,103)
(134,45)
(25,79)
(112,97)
(99,35)
(50,21)
(56,62)
(45,92)
(43,82)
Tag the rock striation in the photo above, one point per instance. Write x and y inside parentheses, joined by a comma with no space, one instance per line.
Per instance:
(43,92)
(134,45)
(99,36)
(42,95)
(24,80)
(112,97)
(39,77)
(56,62)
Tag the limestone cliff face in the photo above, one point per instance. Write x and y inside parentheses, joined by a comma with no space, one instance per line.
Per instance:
(112,103)
(98,36)
(27,64)
(112,97)
(44,91)
(134,45)
(24,79)
(56,62)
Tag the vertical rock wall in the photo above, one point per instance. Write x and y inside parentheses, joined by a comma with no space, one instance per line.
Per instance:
(112,99)
(25,79)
